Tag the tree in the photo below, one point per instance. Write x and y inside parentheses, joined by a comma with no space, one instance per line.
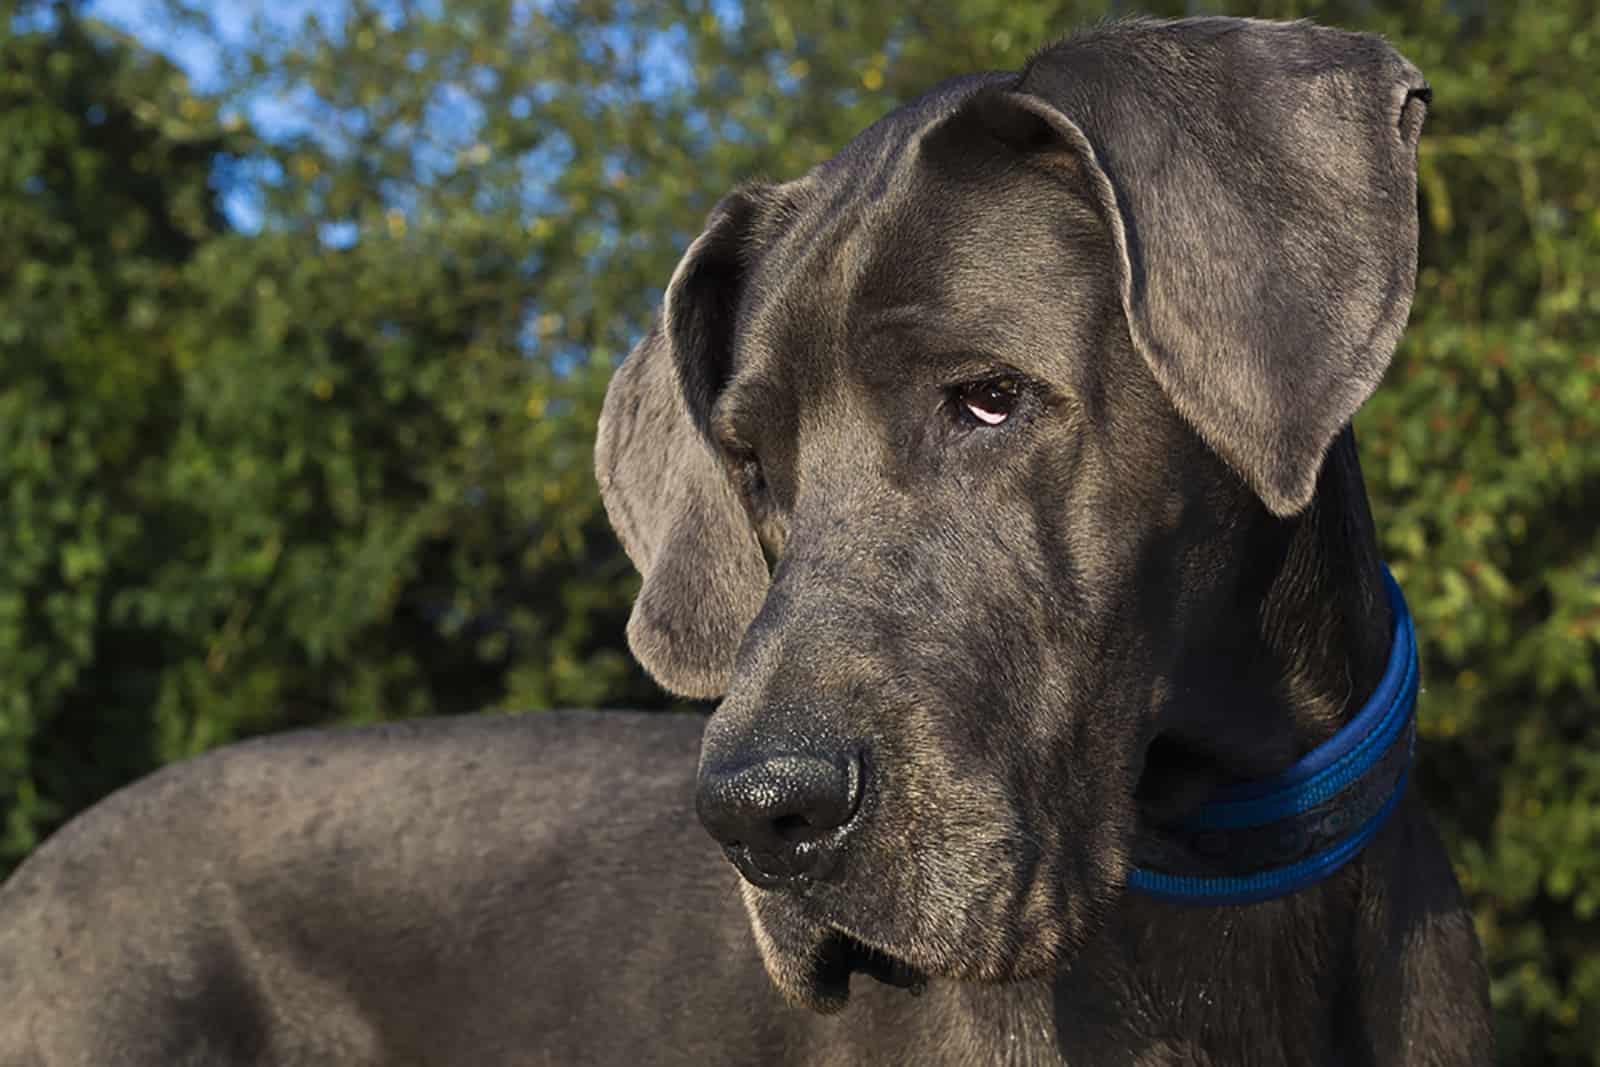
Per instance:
(103,199)
(255,481)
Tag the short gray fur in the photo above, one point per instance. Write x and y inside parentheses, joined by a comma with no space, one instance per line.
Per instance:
(990,656)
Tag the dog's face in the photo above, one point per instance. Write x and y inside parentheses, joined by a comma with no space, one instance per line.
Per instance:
(937,468)
(930,408)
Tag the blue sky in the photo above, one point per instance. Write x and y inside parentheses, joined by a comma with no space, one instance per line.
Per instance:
(198,54)
(234,24)
(194,52)
(202,54)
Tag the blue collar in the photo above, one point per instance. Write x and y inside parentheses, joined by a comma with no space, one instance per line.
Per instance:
(1266,839)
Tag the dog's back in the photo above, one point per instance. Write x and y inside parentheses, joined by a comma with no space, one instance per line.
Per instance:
(337,897)
(534,889)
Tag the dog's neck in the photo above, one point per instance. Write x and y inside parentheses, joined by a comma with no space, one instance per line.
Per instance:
(1309,640)
(1329,588)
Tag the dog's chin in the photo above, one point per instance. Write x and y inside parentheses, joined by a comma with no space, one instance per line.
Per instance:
(811,951)
(837,957)
(812,963)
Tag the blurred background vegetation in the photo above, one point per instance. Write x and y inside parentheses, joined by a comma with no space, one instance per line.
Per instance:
(303,336)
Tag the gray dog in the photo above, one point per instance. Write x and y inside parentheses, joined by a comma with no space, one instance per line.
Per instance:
(997,475)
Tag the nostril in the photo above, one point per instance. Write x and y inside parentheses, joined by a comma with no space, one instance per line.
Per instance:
(853,773)
(793,828)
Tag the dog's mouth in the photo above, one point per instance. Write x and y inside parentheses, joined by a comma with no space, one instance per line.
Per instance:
(841,955)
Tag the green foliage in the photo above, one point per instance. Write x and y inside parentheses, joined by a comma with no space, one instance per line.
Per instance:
(339,469)
(1484,452)
(103,198)
(255,482)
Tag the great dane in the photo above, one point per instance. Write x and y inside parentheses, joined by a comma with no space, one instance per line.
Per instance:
(997,476)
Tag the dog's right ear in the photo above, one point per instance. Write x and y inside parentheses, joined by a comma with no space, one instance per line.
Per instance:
(667,492)
(1258,184)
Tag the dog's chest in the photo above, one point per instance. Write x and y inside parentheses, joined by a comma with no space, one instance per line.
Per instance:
(1011,1025)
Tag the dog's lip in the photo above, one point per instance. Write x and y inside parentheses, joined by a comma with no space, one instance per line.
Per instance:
(842,954)
(818,864)
(825,950)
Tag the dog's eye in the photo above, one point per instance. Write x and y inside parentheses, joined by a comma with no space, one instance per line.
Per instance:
(988,402)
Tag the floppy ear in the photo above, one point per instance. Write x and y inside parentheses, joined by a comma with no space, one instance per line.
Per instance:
(1259,184)
(666,492)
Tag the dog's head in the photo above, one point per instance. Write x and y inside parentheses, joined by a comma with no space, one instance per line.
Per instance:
(940,461)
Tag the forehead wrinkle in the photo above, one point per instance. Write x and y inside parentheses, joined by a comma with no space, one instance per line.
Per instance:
(820,231)
(1023,291)
(832,237)
(823,228)
(794,327)
(971,280)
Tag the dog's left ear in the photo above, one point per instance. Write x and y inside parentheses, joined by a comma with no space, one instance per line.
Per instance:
(1259,184)
(668,495)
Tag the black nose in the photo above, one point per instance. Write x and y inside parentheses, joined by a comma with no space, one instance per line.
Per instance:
(781,819)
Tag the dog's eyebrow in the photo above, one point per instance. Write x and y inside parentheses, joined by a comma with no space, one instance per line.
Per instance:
(898,315)
(945,339)
(932,323)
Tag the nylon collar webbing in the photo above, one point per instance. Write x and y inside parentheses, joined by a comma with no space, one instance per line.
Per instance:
(1258,840)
